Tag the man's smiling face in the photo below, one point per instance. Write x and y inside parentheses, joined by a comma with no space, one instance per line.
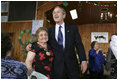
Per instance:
(58,15)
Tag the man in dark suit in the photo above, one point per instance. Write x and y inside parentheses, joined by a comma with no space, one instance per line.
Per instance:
(63,39)
(65,62)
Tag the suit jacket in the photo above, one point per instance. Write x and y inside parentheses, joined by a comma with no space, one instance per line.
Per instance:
(67,59)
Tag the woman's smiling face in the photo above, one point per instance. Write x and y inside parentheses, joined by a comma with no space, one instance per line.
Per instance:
(43,36)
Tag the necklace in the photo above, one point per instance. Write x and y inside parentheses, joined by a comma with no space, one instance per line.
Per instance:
(45,49)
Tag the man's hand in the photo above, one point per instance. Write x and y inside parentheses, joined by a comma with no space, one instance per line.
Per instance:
(28,48)
(83,67)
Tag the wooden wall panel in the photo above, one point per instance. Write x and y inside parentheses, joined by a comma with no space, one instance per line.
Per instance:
(15,28)
(87,13)
(85,32)
(46,6)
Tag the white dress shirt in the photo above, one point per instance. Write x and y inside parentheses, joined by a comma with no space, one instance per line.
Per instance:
(62,30)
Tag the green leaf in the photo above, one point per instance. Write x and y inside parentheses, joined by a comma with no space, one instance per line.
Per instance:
(22,32)
(19,37)
(25,34)
(65,3)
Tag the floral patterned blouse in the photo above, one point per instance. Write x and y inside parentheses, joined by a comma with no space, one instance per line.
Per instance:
(42,61)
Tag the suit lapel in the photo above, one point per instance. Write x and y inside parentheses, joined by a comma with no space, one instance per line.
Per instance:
(53,36)
(66,35)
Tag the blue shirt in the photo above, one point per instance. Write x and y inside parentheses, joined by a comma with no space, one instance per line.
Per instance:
(11,69)
(96,61)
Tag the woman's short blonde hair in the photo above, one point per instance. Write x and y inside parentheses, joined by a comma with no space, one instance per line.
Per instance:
(39,30)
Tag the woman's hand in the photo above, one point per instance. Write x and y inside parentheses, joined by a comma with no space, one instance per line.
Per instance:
(28,62)
(98,50)
(30,71)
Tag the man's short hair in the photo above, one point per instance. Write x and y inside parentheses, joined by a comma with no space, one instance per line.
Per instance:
(64,12)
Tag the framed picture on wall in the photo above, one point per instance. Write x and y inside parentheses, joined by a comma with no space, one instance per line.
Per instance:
(4,6)
(36,24)
(4,18)
(101,37)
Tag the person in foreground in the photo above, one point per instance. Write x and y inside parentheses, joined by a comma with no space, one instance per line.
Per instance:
(10,69)
(40,57)
(96,61)
(63,39)
(113,46)
(111,63)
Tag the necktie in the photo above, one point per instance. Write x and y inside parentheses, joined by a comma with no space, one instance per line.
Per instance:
(60,37)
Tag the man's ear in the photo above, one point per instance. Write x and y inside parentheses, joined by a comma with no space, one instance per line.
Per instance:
(64,16)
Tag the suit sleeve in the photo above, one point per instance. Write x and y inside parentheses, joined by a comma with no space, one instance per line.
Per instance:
(79,46)
(49,36)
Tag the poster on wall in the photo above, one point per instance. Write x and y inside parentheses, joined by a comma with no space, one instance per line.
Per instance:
(4,6)
(101,37)
(36,24)
(4,18)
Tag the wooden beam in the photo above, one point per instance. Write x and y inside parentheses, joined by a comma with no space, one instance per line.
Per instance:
(49,5)
(41,10)
(46,7)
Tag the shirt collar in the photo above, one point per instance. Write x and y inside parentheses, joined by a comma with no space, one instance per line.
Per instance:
(63,24)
